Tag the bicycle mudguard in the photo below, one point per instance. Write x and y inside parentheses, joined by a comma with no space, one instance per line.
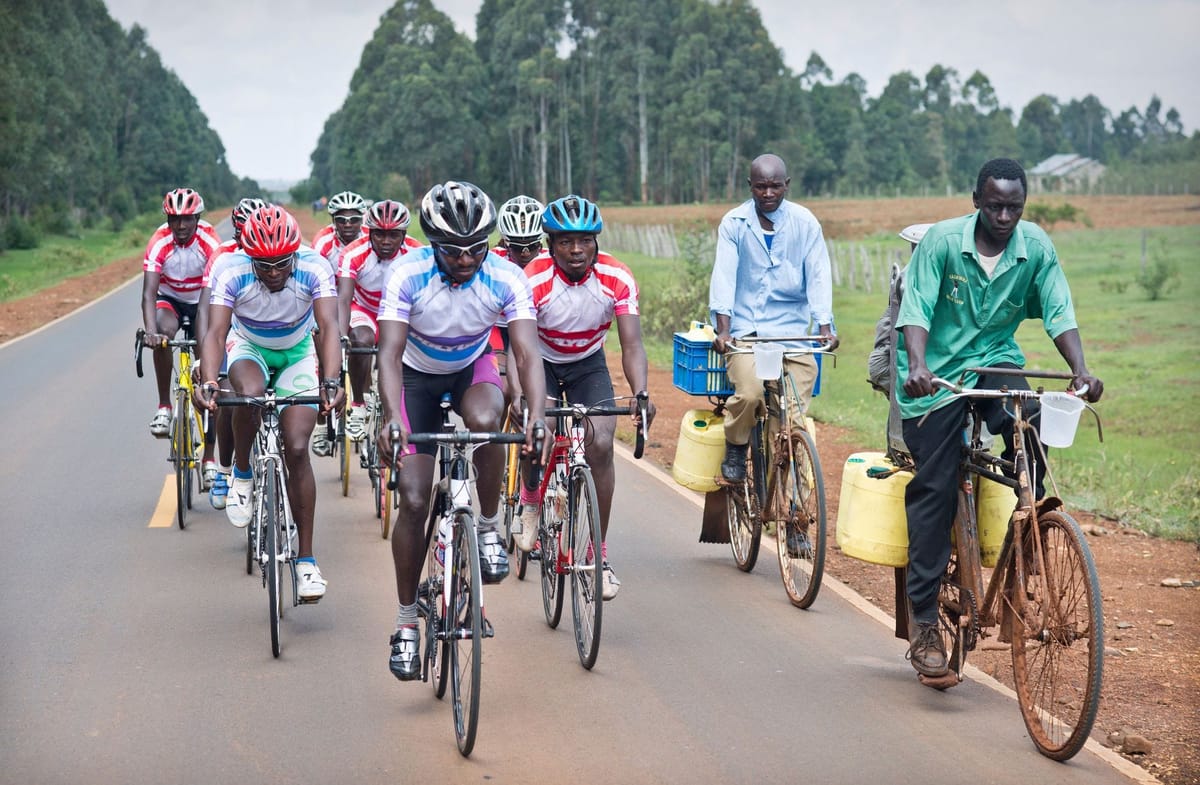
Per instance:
(715,525)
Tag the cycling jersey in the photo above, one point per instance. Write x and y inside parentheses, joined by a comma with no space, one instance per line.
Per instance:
(272,320)
(329,244)
(449,323)
(181,267)
(227,247)
(573,318)
(361,264)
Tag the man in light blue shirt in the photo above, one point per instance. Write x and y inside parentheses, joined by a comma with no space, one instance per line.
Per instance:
(771,278)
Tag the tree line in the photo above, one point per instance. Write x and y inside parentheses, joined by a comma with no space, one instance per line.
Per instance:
(665,101)
(92,124)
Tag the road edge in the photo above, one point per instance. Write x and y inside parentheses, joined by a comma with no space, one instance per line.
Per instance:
(1113,759)
(65,316)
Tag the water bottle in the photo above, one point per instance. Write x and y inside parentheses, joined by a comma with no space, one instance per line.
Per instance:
(443,539)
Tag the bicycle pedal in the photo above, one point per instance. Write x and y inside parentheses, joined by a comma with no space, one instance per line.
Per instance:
(308,600)
(488,630)
(939,682)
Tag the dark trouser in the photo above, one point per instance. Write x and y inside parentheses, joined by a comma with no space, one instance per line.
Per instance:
(931,498)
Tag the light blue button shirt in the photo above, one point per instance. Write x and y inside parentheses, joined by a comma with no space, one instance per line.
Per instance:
(786,289)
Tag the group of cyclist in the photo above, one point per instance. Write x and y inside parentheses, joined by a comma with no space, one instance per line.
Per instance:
(270,312)
(447,317)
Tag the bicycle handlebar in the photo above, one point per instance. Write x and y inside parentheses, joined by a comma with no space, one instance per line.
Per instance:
(139,343)
(611,410)
(268,401)
(461,438)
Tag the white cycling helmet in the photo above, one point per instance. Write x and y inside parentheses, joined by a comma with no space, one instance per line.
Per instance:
(347,200)
(520,219)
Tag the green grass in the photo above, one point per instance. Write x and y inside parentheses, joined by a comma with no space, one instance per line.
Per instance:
(25,272)
(1145,351)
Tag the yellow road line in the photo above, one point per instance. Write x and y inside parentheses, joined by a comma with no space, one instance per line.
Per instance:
(164,511)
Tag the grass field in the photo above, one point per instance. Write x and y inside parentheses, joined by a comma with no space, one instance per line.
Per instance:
(1145,351)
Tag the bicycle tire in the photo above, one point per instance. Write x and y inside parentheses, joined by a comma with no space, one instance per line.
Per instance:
(375,473)
(744,508)
(586,549)
(800,507)
(384,501)
(466,631)
(346,445)
(1057,626)
(271,534)
(553,580)
(522,558)
(180,449)
(250,548)
(437,651)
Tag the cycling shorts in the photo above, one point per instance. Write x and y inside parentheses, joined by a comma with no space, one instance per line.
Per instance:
(361,317)
(180,309)
(586,382)
(421,406)
(288,371)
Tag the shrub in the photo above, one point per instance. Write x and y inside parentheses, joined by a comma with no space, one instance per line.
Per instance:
(670,308)
(19,234)
(1047,215)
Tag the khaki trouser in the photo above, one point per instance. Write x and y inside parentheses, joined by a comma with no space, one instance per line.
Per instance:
(743,406)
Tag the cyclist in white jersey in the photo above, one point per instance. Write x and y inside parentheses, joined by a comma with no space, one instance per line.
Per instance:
(438,307)
(347,210)
(264,301)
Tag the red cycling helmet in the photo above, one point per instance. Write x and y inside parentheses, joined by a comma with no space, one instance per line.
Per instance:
(387,214)
(183,201)
(270,232)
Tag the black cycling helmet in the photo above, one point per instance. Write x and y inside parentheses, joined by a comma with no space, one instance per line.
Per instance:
(457,212)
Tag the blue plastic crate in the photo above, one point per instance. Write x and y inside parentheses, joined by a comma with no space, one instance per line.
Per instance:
(698,370)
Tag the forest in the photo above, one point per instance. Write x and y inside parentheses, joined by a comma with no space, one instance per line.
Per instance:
(666,101)
(625,101)
(92,125)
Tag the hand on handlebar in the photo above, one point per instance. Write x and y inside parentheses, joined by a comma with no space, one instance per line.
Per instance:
(155,340)
(536,443)
(1091,386)
(919,382)
(333,396)
(205,396)
(722,342)
(393,441)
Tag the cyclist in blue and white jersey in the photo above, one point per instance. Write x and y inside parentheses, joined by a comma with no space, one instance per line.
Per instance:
(438,308)
(265,300)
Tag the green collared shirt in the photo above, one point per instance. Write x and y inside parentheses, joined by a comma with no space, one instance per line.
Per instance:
(972,319)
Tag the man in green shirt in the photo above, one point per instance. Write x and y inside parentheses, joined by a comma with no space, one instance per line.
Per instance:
(970,284)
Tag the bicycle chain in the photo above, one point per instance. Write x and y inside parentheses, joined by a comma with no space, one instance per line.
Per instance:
(972,630)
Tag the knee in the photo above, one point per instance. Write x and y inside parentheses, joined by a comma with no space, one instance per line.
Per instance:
(486,420)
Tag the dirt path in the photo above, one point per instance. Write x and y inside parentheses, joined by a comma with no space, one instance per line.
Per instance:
(1152,671)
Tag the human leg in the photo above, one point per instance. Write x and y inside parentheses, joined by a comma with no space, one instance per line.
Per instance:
(741,411)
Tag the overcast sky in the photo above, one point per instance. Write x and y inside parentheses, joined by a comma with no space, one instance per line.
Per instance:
(268,73)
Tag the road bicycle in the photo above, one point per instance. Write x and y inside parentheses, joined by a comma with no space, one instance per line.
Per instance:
(784,485)
(369,457)
(271,535)
(187,423)
(450,598)
(569,536)
(1043,596)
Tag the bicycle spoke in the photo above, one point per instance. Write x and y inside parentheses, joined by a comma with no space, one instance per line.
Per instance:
(466,586)
(800,519)
(585,549)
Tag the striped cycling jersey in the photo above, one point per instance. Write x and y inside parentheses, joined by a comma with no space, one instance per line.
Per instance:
(227,247)
(272,320)
(181,267)
(449,324)
(329,244)
(573,318)
(361,264)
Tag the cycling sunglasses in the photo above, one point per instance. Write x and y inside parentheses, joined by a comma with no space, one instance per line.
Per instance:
(346,220)
(533,247)
(277,263)
(450,251)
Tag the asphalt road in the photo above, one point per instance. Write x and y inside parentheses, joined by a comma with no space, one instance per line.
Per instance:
(131,654)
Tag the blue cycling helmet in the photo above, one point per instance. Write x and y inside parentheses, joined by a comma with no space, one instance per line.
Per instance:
(572,214)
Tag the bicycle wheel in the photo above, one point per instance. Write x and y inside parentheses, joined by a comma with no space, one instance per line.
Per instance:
(384,501)
(346,446)
(437,648)
(553,579)
(744,509)
(466,624)
(584,545)
(1057,627)
(800,522)
(181,457)
(271,533)
(250,547)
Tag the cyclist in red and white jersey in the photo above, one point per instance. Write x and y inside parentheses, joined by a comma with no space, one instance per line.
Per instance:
(173,270)
(578,290)
(361,274)
(347,209)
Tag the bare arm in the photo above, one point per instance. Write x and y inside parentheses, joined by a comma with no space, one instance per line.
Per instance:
(149,305)
(212,352)
(325,309)
(393,337)
(920,381)
(1071,348)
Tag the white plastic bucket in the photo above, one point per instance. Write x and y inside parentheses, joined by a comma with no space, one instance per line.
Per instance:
(1060,418)
(768,360)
